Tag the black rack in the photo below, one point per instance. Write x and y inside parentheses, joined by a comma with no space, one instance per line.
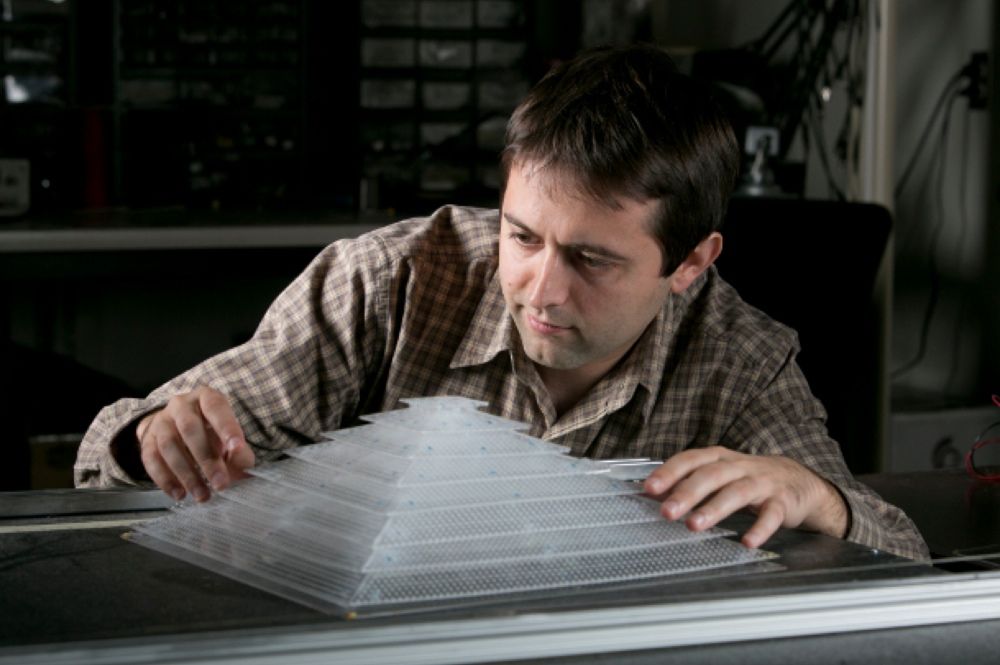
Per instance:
(209,102)
(37,98)
(438,80)
(272,105)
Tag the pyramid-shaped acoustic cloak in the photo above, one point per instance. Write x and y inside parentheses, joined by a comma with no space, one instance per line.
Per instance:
(435,503)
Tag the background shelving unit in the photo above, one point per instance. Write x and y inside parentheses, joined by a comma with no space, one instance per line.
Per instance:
(209,102)
(439,79)
(274,105)
(37,72)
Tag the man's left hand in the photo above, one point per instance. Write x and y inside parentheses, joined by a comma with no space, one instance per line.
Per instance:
(709,484)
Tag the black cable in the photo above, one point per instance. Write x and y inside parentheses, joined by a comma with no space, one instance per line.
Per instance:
(935,277)
(815,56)
(811,28)
(815,59)
(846,70)
(789,116)
(806,148)
(947,94)
(760,43)
(963,221)
(815,123)
(956,352)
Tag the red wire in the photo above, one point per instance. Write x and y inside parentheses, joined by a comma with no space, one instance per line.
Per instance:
(970,465)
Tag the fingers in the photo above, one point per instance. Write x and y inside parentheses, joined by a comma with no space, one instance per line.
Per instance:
(770,517)
(740,493)
(168,443)
(220,417)
(680,466)
(167,462)
(235,451)
(193,438)
(701,485)
(709,484)
(238,461)
(158,470)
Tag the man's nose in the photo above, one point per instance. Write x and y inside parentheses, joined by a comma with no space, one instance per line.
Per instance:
(552,281)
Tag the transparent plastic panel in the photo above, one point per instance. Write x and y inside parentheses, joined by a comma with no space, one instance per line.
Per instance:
(441,403)
(353,522)
(535,545)
(393,470)
(408,443)
(534,574)
(435,414)
(264,579)
(384,517)
(364,526)
(264,532)
(374,495)
(308,572)
(518,518)
(256,535)
(287,570)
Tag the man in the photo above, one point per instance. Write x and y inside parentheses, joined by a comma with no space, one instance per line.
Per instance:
(587,307)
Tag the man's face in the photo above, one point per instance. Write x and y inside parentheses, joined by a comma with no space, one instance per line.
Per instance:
(581,280)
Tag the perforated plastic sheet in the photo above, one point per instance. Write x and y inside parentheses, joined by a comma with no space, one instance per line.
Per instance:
(384,497)
(418,518)
(535,545)
(355,459)
(553,572)
(445,414)
(276,502)
(390,439)
(272,502)
(518,519)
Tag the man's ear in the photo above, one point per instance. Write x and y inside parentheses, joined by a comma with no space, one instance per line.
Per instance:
(697,262)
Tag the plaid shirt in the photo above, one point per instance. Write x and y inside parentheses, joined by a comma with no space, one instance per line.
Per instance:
(415,309)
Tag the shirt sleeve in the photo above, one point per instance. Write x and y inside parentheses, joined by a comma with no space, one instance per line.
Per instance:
(309,366)
(784,418)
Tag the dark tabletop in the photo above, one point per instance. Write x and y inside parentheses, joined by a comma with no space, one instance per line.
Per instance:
(69,575)
(956,514)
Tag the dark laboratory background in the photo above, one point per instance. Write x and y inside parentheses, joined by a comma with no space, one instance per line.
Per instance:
(297,105)
(150,113)
(281,105)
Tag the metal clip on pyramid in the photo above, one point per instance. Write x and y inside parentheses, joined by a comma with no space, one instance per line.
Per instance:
(430,505)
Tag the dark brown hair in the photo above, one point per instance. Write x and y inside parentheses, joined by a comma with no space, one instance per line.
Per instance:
(622,121)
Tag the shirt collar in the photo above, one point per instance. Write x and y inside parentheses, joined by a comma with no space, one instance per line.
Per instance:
(489,332)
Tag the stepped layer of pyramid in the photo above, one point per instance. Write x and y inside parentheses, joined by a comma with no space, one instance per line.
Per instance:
(433,504)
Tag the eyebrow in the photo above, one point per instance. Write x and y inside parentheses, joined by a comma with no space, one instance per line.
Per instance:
(597,250)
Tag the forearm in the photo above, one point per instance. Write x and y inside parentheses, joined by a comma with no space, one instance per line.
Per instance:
(298,375)
(785,419)
(109,453)
(845,508)
(881,525)
(831,514)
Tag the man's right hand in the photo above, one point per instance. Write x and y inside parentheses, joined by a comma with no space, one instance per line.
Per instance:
(194,438)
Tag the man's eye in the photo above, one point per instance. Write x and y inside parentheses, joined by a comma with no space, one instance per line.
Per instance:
(522,238)
(593,261)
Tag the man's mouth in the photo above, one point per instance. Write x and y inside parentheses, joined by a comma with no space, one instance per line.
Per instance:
(544,327)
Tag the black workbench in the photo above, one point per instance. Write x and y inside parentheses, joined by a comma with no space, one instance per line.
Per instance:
(957,515)
(75,591)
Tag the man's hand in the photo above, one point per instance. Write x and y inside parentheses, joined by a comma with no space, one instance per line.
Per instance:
(194,438)
(713,483)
